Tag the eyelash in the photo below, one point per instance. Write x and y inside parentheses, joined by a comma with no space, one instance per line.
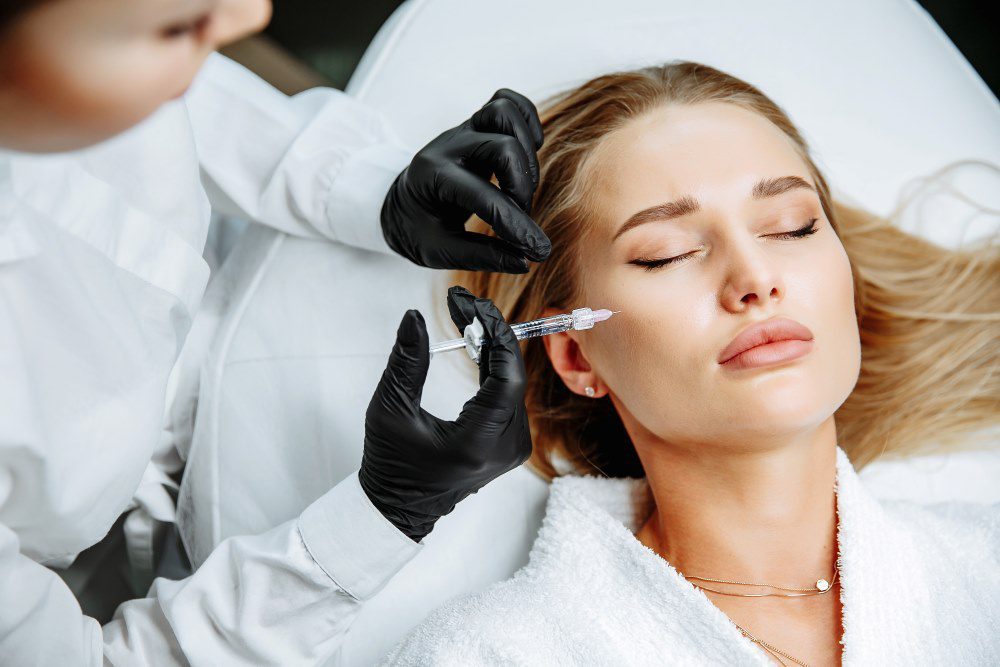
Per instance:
(185,29)
(653,264)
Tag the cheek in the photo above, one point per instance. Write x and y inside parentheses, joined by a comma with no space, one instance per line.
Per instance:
(647,351)
(92,94)
(821,288)
(833,306)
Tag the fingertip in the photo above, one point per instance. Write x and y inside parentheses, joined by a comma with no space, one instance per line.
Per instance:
(515,264)
(457,291)
(460,307)
(536,243)
(529,110)
(539,251)
(492,319)
(415,316)
(485,307)
(544,251)
(537,135)
(412,327)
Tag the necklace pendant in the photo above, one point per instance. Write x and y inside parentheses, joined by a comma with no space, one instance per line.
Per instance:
(822,585)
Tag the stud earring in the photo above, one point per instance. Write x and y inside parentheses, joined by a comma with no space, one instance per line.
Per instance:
(589,391)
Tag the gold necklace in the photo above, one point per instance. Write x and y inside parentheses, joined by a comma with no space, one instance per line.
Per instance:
(773,650)
(819,588)
(822,586)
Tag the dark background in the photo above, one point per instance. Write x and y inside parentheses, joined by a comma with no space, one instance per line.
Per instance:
(330,36)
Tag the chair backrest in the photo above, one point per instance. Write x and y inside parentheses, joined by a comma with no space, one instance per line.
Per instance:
(880,92)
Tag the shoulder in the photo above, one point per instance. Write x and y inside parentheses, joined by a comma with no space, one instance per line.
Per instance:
(974,520)
(545,613)
(966,531)
(478,629)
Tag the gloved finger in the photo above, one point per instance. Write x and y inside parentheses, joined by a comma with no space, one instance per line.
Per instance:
(528,111)
(402,383)
(460,307)
(501,116)
(469,251)
(501,372)
(465,189)
(501,154)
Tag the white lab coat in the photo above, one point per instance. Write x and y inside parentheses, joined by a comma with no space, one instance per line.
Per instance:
(919,585)
(101,271)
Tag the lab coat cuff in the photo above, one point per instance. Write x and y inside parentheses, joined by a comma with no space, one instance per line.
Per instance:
(357,547)
(356,195)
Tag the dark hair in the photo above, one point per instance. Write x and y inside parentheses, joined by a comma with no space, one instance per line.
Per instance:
(11,9)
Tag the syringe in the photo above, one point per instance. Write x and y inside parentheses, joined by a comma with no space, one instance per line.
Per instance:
(579,319)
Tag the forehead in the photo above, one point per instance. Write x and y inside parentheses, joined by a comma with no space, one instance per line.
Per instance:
(714,152)
(156,9)
(172,7)
(107,16)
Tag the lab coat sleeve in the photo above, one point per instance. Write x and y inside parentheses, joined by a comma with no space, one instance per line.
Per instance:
(285,597)
(317,164)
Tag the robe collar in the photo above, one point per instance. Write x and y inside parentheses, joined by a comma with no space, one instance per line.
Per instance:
(889,612)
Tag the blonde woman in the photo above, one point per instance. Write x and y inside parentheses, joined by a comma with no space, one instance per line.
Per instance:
(769,343)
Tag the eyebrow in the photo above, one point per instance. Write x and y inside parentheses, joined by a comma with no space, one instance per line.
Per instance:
(175,8)
(763,189)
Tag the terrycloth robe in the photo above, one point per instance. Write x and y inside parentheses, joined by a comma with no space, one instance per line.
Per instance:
(920,585)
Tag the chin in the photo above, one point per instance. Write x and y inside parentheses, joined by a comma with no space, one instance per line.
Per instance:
(791,401)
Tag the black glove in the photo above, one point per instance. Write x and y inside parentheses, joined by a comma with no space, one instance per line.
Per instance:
(424,213)
(416,467)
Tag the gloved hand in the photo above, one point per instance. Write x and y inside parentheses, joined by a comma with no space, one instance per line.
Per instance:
(416,467)
(424,213)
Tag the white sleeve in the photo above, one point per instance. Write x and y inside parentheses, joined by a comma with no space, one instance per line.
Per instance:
(317,164)
(285,597)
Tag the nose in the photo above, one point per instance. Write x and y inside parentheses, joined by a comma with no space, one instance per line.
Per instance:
(753,279)
(235,19)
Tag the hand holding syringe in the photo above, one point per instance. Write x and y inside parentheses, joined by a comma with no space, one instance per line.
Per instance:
(579,319)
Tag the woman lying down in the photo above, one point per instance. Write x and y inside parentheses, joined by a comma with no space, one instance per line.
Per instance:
(703,443)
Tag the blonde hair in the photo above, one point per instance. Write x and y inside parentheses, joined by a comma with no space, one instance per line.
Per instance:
(927,315)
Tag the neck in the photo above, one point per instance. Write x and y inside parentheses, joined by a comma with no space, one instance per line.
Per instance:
(749,512)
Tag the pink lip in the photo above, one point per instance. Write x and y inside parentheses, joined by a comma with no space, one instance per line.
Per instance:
(769,342)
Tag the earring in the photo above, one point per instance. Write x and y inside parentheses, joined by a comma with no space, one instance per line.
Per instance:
(589,391)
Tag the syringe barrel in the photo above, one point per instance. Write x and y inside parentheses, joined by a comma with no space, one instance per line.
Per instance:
(543,326)
(579,319)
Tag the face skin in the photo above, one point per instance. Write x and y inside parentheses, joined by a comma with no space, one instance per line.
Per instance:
(740,462)
(658,357)
(76,72)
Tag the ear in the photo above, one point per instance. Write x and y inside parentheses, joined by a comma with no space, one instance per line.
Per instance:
(570,363)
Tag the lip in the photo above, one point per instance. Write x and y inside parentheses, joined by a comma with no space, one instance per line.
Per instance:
(764,343)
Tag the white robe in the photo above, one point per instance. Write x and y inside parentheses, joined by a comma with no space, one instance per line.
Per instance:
(101,272)
(920,585)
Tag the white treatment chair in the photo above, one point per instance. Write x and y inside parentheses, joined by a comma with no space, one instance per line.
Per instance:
(296,333)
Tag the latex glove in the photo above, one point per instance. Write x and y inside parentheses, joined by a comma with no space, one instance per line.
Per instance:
(424,213)
(416,467)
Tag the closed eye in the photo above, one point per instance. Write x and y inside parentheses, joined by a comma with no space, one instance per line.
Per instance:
(186,28)
(653,264)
